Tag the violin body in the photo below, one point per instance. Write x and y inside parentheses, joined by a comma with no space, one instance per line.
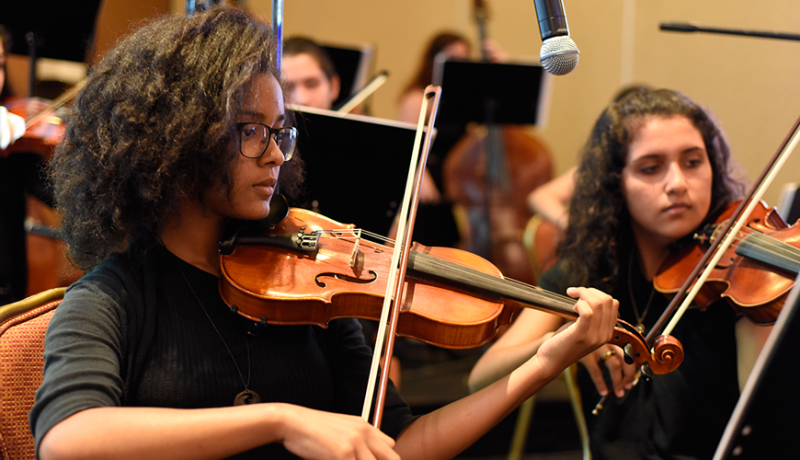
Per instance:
(751,286)
(41,137)
(316,287)
(309,269)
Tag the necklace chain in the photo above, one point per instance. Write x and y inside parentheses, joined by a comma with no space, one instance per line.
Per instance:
(247,396)
(639,318)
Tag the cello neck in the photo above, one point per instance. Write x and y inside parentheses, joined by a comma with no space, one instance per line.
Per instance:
(481,14)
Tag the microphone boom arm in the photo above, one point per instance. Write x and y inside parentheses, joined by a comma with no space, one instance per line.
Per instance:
(689,27)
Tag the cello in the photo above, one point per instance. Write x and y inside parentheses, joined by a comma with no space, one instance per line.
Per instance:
(489,174)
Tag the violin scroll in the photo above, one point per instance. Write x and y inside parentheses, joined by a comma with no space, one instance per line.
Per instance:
(665,356)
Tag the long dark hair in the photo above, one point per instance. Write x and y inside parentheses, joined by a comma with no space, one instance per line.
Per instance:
(5,40)
(599,224)
(424,73)
(154,123)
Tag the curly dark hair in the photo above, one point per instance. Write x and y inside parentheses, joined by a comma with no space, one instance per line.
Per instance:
(154,123)
(599,229)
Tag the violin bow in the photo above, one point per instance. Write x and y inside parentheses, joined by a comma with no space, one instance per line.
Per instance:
(397,274)
(365,92)
(65,97)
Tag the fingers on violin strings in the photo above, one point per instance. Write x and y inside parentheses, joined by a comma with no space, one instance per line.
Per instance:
(602,309)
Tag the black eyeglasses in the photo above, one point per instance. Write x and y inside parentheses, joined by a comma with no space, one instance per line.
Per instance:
(254,139)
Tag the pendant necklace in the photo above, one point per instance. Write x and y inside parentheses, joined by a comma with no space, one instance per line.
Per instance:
(639,318)
(247,396)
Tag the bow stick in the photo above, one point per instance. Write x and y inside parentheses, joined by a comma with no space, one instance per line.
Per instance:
(397,273)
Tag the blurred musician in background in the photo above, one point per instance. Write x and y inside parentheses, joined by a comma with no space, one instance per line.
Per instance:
(308,74)
(452,46)
(20,175)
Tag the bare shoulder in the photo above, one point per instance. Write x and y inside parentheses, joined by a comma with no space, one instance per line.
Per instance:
(410,105)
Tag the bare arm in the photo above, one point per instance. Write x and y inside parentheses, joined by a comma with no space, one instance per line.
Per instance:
(517,345)
(522,340)
(551,200)
(446,432)
(155,433)
(410,105)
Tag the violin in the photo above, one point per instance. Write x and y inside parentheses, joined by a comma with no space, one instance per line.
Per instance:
(309,269)
(42,135)
(43,129)
(755,274)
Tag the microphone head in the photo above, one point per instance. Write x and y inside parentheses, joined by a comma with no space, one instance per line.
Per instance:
(559,55)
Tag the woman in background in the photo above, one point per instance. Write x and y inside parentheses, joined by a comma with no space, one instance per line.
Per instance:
(20,175)
(654,171)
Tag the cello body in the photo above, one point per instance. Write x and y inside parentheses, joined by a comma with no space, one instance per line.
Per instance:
(490,185)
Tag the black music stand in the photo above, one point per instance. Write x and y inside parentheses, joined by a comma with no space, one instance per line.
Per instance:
(353,64)
(356,166)
(56,37)
(790,202)
(489,93)
(39,29)
(763,424)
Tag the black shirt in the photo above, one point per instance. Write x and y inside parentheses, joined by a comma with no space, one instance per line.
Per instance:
(108,345)
(680,415)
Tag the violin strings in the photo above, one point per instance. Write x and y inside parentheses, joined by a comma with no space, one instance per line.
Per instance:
(445,264)
(771,245)
(776,247)
(760,246)
(457,270)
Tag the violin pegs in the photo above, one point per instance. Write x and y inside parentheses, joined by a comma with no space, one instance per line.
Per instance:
(628,353)
(646,371)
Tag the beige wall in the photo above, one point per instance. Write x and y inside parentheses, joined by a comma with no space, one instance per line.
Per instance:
(750,84)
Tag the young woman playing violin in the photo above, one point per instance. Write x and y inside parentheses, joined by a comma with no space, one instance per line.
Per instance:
(654,170)
(178,132)
(20,176)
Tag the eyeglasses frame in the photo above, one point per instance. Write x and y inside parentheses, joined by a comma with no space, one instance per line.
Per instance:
(272,133)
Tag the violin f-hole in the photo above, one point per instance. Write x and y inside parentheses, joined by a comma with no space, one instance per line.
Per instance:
(348,278)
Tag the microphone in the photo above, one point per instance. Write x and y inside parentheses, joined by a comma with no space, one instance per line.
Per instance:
(559,54)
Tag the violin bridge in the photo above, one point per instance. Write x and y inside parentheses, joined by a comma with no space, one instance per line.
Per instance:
(356,244)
